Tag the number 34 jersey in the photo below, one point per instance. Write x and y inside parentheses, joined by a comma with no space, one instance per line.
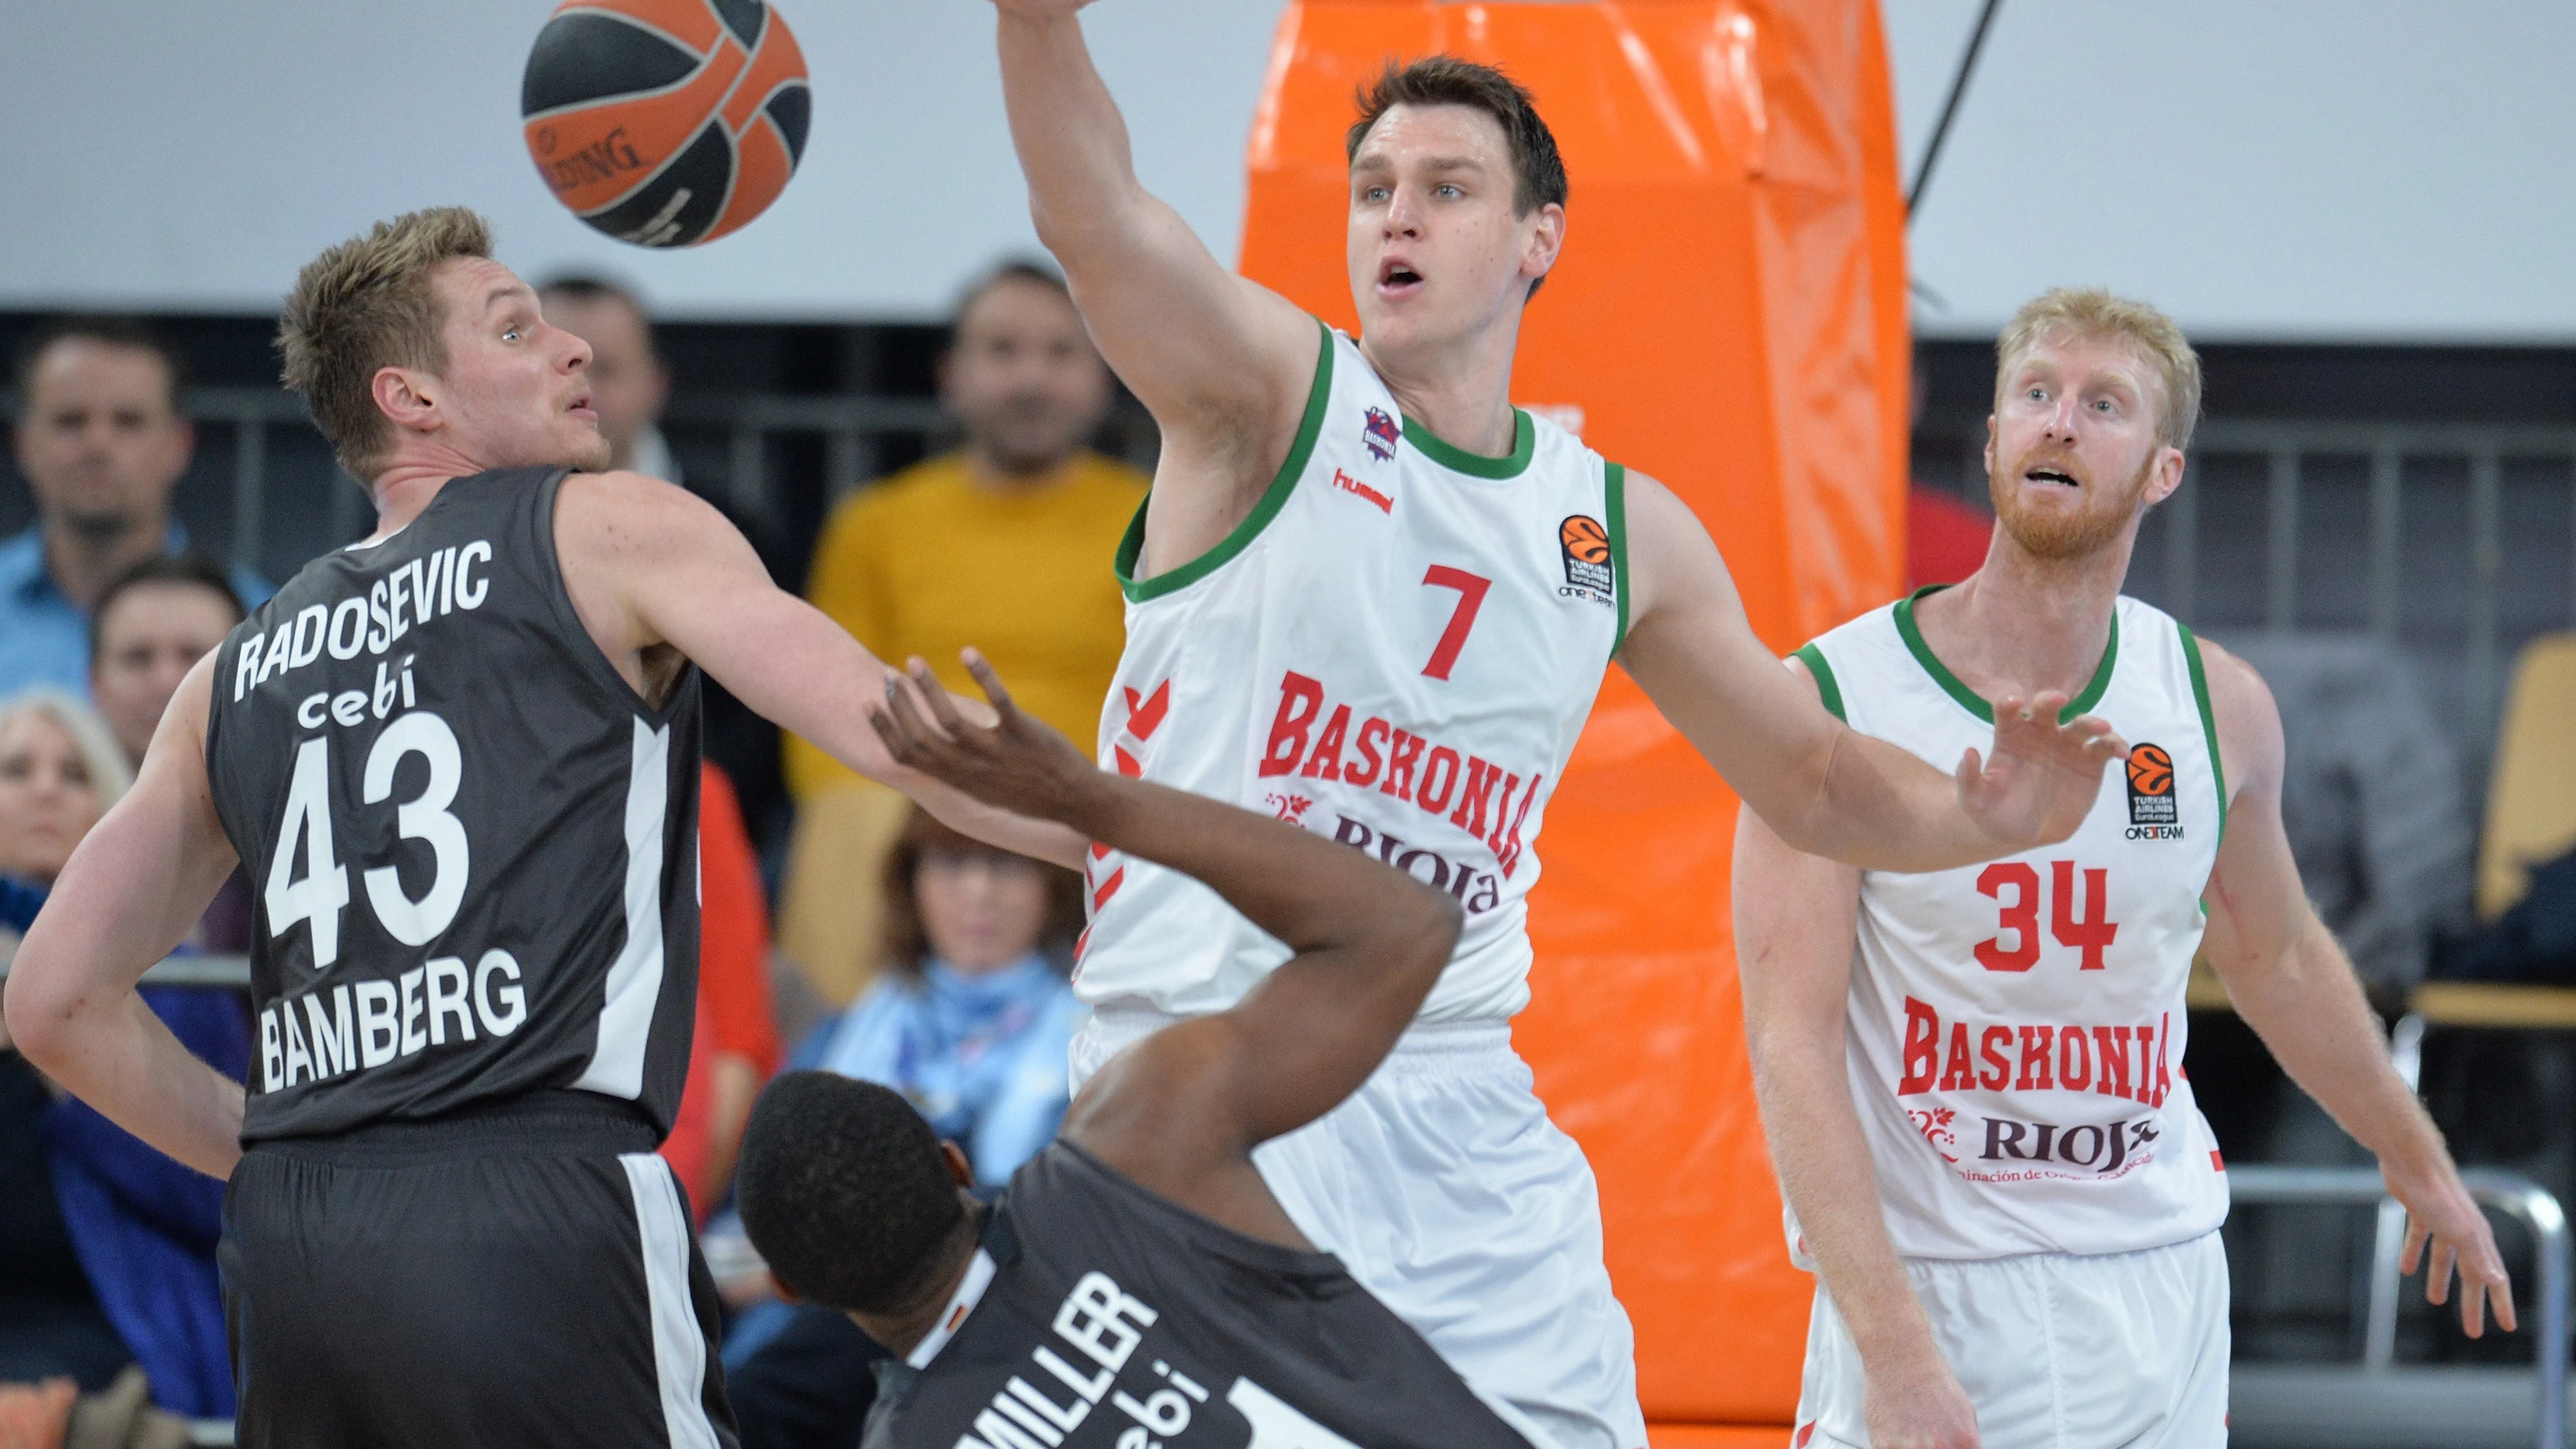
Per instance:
(473,846)
(1396,650)
(2016,1028)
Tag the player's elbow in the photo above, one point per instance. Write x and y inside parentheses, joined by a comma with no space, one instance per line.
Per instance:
(37,1010)
(1425,931)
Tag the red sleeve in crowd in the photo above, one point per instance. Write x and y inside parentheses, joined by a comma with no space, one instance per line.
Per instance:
(733,929)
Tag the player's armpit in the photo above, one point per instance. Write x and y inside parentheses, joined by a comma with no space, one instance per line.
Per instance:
(656,571)
(1148,1114)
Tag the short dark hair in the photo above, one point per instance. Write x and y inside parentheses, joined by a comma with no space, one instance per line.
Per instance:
(843,1191)
(587,287)
(106,329)
(189,568)
(1008,269)
(1538,172)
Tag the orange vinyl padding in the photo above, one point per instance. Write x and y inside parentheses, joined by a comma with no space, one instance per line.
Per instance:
(1728,316)
(1718,1436)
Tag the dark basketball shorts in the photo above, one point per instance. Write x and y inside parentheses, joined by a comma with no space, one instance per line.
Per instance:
(524,1274)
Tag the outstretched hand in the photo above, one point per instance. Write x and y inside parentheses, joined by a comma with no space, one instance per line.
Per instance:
(2441,1215)
(2039,782)
(1018,762)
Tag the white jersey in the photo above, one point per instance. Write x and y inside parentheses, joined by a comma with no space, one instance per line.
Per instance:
(2016,1028)
(1396,650)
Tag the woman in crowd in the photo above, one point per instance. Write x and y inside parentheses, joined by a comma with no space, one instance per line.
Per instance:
(971,1015)
(107,1248)
(971,1018)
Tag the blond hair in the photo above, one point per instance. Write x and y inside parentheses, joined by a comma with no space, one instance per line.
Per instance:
(364,305)
(101,758)
(2098,315)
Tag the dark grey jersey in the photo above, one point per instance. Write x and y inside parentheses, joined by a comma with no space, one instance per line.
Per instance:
(1111,1318)
(472,844)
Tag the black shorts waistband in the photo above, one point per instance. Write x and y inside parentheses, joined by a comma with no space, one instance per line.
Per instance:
(534,1124)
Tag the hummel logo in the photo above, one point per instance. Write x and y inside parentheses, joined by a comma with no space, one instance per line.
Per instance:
(1375,499)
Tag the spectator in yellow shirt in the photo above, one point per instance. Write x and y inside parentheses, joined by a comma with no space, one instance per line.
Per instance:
(1004,544)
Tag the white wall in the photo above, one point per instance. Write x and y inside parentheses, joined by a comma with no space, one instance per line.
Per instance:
(2287,169)
(2264,169)
(182,154)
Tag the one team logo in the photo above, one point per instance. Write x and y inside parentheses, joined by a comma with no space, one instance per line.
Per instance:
(1380,433)
(1588,570)
(2154,813)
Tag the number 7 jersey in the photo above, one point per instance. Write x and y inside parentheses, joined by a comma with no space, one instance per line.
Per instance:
(472,845)
(2015,1030)
(1396,649)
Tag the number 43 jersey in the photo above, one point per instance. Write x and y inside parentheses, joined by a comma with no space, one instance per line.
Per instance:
(472,845)
(2016,1028)
(1396,649)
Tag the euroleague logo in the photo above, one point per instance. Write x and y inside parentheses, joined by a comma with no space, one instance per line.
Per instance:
(2154,811)
(1589,573)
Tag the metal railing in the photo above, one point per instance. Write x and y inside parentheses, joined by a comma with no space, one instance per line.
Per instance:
(223,972)
(2504,1192)
(2292,454)
(850,427)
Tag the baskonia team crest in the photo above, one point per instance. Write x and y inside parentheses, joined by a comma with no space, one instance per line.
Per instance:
(2154,811)
(1380,433)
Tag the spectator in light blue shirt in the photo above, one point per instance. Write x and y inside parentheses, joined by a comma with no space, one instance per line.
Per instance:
(100,441)
(971,1018)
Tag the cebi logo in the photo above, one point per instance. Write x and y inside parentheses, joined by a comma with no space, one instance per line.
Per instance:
(1380,433)
(2154,811)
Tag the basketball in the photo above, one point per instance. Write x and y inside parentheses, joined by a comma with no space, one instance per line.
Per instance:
(2150,770)
(665,123)
(1585,539)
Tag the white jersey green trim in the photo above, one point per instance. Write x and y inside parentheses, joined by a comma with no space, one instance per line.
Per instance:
(2208,721)
(1975,703)
(1397,650)
(1829,691)
(1614,509)
(2015,1029)
(1132,547)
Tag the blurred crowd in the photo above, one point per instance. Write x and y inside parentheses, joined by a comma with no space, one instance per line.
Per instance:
(898,952)
(902,952)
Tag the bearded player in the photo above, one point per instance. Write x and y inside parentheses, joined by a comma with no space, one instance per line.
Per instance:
(1971,1079)
(1369,595)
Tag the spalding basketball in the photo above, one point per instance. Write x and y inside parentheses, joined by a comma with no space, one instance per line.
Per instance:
(666,122)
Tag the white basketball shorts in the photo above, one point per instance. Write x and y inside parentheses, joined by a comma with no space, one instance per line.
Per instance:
(2056,1351)
(1448,1193)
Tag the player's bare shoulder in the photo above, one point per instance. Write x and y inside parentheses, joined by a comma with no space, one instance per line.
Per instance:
(622,536)
(2249,721)
(1672,562)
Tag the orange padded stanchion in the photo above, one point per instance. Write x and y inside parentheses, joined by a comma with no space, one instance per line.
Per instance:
(1729,317)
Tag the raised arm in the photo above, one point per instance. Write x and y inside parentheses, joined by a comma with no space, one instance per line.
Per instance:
(650,566)
(2289,980)
(1221,363)
(1824,788)
(1181,1111)
(128,897)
